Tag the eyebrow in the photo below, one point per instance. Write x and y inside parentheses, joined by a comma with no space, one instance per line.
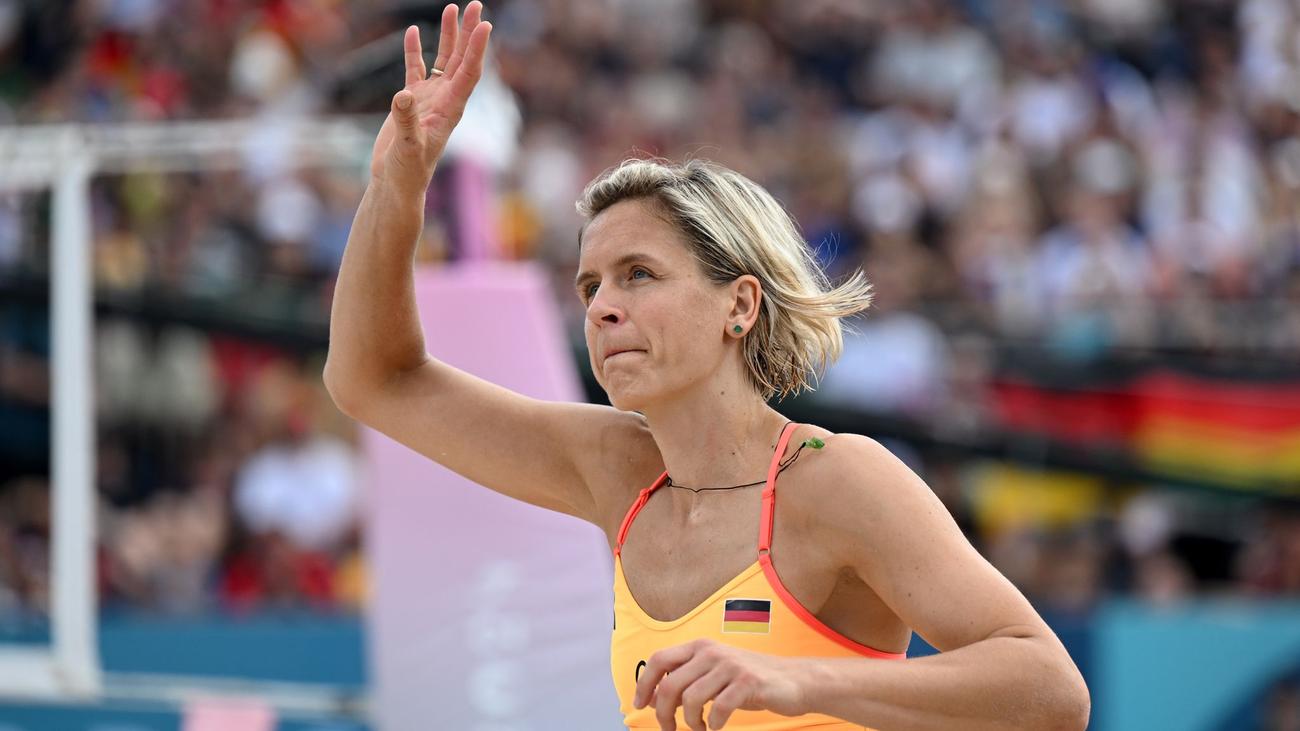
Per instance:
(619,263)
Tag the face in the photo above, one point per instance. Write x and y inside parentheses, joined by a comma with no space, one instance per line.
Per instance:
(655,324)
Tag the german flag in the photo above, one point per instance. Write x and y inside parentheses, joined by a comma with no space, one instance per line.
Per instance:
(753,616)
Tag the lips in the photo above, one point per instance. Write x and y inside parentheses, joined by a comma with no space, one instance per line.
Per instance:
(619,351)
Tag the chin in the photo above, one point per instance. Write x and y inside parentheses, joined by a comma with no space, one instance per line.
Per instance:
(628,396)
(625,401)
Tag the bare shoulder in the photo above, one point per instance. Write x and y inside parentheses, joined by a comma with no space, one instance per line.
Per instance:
(622,460)
(843,463)
(876,516)
(854,486)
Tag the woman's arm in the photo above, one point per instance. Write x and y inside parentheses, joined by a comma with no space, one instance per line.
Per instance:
(1000,666)
(374,327)
(378,371)
(1014,680)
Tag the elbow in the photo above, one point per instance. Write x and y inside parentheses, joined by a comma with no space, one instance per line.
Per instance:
(1072,708)
(340,390)
(1081,708)
(1057,697)
(1073,716)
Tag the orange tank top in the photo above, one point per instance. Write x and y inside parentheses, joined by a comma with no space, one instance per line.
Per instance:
(753,611)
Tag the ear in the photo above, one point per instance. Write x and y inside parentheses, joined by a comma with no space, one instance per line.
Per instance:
(746,298)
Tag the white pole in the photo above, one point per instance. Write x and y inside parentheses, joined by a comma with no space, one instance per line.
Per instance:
(63,158)
(74,602)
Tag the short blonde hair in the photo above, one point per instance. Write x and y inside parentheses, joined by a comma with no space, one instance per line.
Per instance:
(735,227)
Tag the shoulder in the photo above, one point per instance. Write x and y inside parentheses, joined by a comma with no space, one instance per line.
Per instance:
(853,488)
(628,447)
(844,461)
(623,459)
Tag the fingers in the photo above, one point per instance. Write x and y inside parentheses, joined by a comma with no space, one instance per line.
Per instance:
(700,692)
(671,692)
(660,664)
(414,56)
(473,13)
(447,41)
(408,119)
(471,68)
(730,699)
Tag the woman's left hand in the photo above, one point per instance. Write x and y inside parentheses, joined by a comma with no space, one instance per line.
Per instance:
(706,670)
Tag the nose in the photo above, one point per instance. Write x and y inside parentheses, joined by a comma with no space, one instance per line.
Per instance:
(604,309)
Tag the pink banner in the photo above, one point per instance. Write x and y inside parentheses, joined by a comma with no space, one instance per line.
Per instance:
(489,614)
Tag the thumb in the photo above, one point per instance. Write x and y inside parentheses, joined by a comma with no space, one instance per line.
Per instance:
(404,109)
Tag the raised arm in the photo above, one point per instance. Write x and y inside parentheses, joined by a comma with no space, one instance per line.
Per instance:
(378,371)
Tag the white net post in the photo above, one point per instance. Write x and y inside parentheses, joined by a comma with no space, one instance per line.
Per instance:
(63,159)
(73,603)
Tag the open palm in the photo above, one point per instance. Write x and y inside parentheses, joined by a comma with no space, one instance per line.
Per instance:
(427,109)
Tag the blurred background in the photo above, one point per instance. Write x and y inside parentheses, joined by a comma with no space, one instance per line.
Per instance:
(1082,219)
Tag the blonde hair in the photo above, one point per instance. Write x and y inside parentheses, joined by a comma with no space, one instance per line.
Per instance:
(735,227)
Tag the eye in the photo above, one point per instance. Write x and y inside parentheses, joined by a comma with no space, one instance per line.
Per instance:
(589,291)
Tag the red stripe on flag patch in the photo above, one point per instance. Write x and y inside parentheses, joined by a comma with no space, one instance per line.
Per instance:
(739,615)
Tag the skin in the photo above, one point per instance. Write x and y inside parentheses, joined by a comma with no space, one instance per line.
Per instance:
(686,375)
(860,541)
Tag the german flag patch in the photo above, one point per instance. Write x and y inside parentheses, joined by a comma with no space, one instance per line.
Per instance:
(752,616)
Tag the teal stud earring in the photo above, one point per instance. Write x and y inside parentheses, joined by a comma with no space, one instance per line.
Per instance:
(737,329)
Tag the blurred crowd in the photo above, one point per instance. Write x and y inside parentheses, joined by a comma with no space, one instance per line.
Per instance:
(1090,178)
(226,479)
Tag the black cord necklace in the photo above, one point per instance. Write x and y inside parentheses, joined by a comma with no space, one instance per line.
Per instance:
(813,442)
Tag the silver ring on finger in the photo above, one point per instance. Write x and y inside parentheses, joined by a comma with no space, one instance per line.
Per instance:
(433,71)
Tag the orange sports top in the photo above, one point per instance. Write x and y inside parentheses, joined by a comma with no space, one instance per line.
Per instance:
(753,611)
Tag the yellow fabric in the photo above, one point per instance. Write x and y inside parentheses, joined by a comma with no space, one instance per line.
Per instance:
(637,636)
(790,630)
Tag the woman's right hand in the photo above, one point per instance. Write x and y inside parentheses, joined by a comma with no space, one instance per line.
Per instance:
(424,113)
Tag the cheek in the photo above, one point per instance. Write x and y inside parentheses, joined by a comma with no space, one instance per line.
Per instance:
(589,334)
(699,316)
(690,329)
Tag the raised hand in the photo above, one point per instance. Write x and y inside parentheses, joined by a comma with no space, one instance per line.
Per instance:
(427,109)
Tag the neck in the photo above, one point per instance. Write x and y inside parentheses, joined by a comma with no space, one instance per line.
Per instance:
(710,442)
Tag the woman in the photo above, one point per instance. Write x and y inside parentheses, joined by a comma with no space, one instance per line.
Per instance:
(702,302)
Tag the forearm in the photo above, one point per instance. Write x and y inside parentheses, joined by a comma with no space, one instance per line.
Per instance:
(374,324)
(997,684)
